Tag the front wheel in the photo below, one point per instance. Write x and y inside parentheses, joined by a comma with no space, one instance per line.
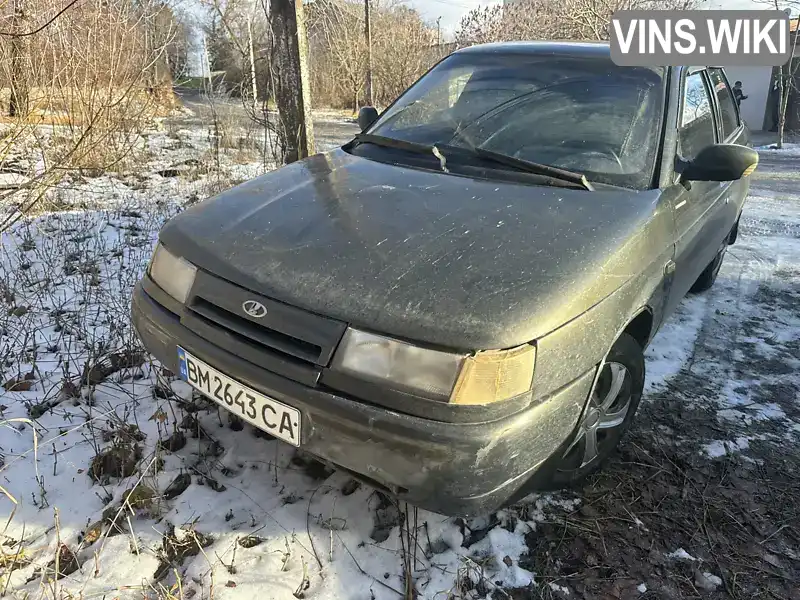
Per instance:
(611,408)
(709,274)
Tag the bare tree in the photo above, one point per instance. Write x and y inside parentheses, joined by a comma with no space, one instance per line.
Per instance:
(550,19)
(290,83)
(95,72)
(403,47)
(18,103)
(786,77)
(338,26)
(237,33)
(368,42)
(169,28)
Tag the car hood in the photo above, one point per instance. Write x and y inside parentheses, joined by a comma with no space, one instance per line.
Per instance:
(453,261)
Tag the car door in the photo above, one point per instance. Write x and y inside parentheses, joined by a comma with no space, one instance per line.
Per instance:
(695,206)
(731,130)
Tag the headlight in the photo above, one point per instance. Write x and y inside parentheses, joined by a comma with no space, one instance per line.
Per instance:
(172,274)
(418,370)
(495,375)
(484,378)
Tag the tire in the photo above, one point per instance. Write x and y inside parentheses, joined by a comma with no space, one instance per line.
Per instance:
(709,274)
(606,418)
(734,235)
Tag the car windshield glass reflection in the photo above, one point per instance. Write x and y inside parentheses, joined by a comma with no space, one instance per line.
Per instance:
(580,114)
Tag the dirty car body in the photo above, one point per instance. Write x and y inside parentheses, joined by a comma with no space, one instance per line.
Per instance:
(430,316)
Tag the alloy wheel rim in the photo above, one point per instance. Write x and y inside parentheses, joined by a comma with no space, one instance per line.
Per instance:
(608,408)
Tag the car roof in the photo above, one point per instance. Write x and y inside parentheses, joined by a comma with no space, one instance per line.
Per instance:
(584,49)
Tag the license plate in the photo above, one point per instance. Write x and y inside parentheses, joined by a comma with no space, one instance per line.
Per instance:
(272,416)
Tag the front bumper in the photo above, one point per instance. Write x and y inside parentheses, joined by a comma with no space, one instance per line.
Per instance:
(459,469)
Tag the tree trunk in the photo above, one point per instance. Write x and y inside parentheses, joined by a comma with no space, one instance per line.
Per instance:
(291,81)
(253,80)
(784,103)
(786,83)
(18,103)
(368,34)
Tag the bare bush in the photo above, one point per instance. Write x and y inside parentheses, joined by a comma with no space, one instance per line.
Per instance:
(550,19)
(339,51)
(97,74)
(403,49)
(237,34)
(786,76)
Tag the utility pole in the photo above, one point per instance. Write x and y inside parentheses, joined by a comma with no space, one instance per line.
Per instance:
(252,57)
(291,81)
(439,52)
(18,103)
(368,34)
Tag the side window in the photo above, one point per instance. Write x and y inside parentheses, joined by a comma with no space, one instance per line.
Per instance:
(727,107)
(697,119)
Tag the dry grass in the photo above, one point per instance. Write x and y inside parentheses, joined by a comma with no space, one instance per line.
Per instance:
(57,106)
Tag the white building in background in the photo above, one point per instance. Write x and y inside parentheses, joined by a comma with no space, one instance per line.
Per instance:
(756,83)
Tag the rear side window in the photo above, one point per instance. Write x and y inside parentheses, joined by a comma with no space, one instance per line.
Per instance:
(727,108)
(697,119)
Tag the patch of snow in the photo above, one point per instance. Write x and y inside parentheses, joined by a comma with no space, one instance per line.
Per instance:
(707,581)
(499,544)
(538,504)
(719,448)
(789,149)
(673,344)
(559,588)
(10,181)
(681,554)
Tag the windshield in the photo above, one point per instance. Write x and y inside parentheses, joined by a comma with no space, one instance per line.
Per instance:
(581,114)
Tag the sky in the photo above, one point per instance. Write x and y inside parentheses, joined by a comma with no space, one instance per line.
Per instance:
(451,11)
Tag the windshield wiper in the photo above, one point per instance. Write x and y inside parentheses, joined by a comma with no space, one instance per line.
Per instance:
(440,151)
(387,142)
(523,165)
(379,140)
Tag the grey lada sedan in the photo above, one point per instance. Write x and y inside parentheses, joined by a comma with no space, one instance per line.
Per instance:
(454,306)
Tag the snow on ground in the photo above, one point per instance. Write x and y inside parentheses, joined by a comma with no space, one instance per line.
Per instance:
(675,342)
(681,554)
(141,488)
(789,149)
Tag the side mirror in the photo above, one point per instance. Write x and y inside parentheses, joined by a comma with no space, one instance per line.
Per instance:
(721,162)
(367,116)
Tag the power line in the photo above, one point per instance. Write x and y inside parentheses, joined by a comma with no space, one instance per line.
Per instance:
(42,27)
